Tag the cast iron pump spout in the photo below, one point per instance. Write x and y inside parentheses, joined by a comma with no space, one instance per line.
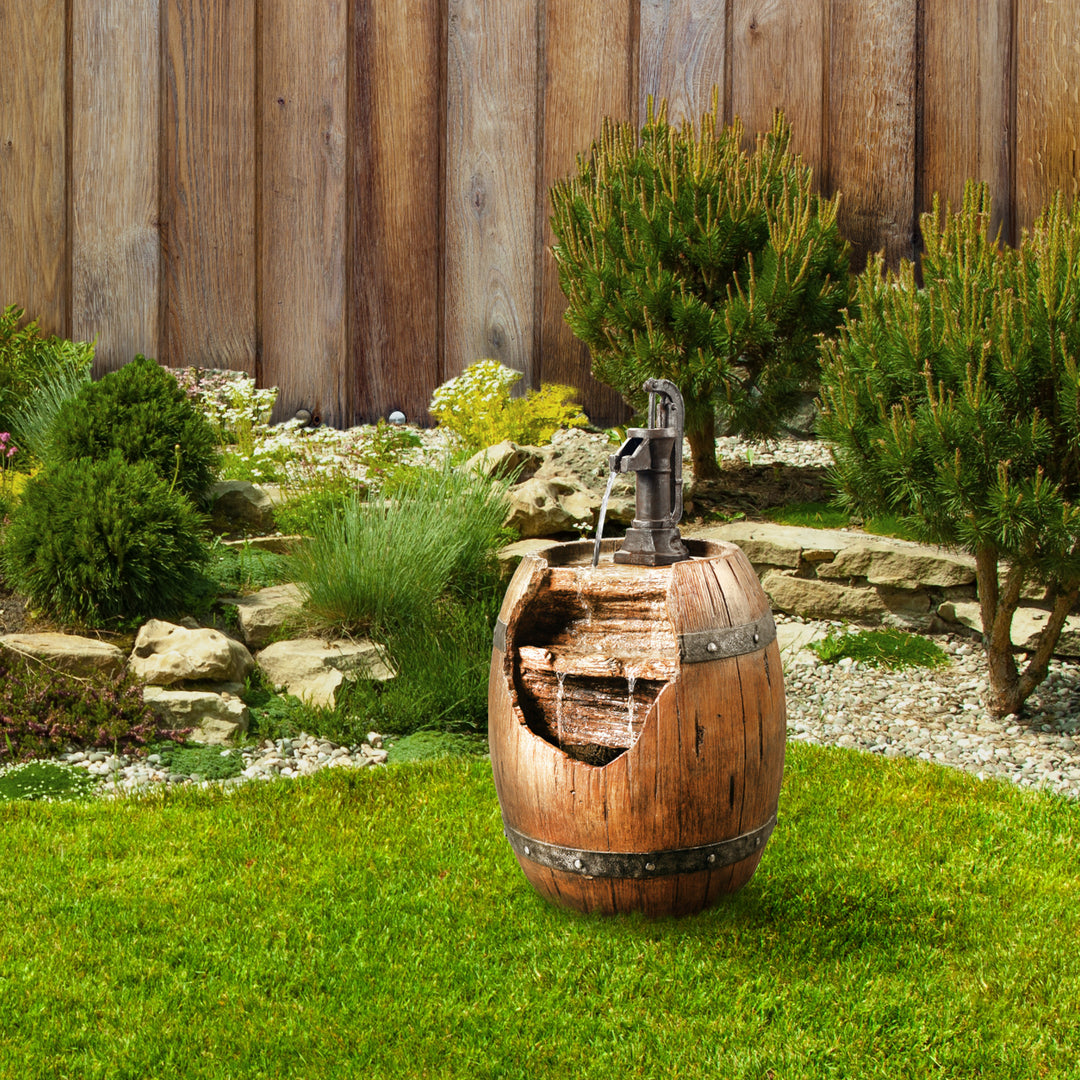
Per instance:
(654,454)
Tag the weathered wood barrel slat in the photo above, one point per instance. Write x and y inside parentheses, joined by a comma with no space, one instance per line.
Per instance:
(637,726)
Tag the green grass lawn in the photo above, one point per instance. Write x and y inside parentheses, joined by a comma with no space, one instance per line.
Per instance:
(906,921)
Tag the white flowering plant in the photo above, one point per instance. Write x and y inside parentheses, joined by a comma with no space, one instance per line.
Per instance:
(239,412)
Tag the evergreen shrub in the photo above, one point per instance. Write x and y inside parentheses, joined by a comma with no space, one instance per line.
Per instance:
(684,257)
(956,404)
(140,411)
(94,542)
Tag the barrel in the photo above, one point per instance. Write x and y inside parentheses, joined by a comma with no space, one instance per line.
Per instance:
(637,722)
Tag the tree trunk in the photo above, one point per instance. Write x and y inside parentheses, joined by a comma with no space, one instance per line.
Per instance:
(701,434)
(1009,687)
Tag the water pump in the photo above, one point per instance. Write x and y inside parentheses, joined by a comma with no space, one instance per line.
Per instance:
(654,454)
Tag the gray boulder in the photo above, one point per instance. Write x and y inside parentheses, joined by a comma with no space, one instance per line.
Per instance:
(216,718)
(264,613)
(507,459)
(238,506)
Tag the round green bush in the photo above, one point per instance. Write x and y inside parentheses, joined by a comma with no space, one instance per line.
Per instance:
(142,412)
(93,542)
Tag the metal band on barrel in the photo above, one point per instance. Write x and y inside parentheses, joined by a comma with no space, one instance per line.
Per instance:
(640,864)
(702,645)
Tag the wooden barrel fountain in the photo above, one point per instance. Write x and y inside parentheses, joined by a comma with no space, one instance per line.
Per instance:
(637,726)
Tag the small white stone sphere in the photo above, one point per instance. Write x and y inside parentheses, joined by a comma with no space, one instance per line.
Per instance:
(396,417)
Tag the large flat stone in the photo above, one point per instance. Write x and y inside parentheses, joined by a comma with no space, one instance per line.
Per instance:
(900,564)
(71,653)
(264,613)
(214,718)
(1028,622)
(838,554)
(313,670)
(822,599)
(766,544)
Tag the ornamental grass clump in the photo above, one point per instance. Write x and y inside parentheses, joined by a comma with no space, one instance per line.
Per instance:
(98,542)
(957,406)
(380,565)
(684,257)
(30,360)
(140,412)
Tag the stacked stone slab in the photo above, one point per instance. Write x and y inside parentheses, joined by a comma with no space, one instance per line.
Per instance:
(856,577)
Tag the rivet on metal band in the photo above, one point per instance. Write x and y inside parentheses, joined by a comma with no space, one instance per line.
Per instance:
(640,864)
(723,641)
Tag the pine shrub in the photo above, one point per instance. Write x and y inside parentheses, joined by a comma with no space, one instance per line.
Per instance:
(94,542)
(957,405)
(684,257)
(140,411)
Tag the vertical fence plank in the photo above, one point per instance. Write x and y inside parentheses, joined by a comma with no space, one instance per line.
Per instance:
(33,216)
(778,63)
(966,88)
(589,52)
(115,258)
(395,226)
(302,111)
(1047,104)
(682,55)
(208,184)
(870,156)
(490,183)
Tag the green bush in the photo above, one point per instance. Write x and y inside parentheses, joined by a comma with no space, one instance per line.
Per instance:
(243,569)
(42,711)
(442,670)
(140,411)
(957,405)
(94,542)
(29,358)
(206,762)
(314,505)
(477,409)
(683,257)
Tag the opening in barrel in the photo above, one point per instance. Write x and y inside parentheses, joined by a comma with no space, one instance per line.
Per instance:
(591,652)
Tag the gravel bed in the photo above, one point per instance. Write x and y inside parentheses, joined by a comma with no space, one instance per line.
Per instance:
(938,714)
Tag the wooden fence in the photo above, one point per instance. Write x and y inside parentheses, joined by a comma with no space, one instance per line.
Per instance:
(348,198)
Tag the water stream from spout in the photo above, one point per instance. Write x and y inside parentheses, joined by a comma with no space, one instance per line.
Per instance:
(631,679)
(603,514)
(561,676)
